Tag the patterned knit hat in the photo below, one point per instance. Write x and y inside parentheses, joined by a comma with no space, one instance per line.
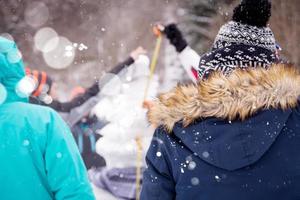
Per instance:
(246,41)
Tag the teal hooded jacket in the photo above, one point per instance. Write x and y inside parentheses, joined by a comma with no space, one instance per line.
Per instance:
(39,159)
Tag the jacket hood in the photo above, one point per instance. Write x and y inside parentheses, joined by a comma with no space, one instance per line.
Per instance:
(11,69)
(230,121)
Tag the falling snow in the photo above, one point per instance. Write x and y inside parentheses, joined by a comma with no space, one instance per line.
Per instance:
(195,181)
(26,143)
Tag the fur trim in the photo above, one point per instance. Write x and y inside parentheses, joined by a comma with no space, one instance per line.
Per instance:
(236,96)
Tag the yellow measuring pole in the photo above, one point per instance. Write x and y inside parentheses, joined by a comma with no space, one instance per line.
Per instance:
(153,63)
(157,32)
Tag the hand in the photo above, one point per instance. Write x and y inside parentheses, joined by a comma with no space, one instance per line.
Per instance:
(137,52)
(160,27)
(175,36)
(147,104)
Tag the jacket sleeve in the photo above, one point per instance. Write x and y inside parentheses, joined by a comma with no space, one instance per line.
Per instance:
(78,101)
(122,65)
(187,56)
(158,183)
(190,61)
(81,99)
(175,37)
(66,173)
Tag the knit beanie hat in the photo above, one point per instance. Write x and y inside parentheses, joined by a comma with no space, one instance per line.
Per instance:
(43,82)
(246,41)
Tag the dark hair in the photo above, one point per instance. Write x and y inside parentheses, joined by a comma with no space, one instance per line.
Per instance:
(253,12)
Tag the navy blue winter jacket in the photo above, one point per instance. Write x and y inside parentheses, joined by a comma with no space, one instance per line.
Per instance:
(230,138)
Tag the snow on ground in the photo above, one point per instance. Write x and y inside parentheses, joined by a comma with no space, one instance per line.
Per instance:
(102,194)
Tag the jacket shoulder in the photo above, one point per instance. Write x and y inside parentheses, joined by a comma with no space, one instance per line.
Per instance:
(31,116)
(38,111)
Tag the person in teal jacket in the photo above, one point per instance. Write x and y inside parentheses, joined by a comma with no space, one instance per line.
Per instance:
(39,157)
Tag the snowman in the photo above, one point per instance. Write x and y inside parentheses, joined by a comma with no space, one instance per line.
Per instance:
(121,106)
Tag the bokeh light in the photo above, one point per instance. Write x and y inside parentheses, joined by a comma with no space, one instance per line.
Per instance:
(26,86)
(46,39)
(195,181)
(61,56)
(36,14)
(8,45)
(14,56)
(47,99)
(7,36)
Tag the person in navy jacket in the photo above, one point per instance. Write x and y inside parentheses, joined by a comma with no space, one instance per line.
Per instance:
(235,135)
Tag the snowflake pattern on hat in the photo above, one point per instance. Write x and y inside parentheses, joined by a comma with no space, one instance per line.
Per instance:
(239,46)
(237,33)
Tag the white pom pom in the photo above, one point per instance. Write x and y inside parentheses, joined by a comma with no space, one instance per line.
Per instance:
(26,86)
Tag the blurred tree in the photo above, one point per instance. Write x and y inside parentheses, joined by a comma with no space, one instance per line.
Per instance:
(198,19)
(109,28)
(201,20)
(12,15)
(285,22)
(13,21)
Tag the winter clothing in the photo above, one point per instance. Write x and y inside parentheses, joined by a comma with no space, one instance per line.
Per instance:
(246,41)
(79,112)
(66,107)
(83,131)
(190,59)
(229,137)
(239,45)
(247,12)
(129,61)
(121,182)
(86,136)
(43,82)
(187,56)
(87,103)
(175,37)
(75,112)
(39,158)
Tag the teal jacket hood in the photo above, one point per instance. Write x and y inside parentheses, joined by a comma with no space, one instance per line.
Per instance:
(11,71)
(39,157)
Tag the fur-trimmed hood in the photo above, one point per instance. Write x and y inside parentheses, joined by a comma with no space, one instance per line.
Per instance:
(237,96)
(230,121)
